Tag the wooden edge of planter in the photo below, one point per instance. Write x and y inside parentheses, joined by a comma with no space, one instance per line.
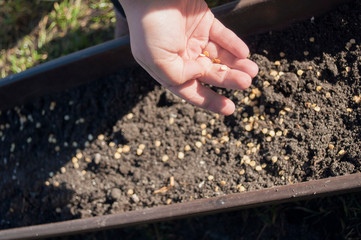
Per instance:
(243,17)
(274,195)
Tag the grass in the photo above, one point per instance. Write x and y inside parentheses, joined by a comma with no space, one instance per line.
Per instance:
(33,32)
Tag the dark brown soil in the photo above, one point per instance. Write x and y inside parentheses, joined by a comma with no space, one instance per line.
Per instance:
(291,126)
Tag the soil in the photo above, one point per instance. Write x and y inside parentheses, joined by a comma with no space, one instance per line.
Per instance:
(299,121)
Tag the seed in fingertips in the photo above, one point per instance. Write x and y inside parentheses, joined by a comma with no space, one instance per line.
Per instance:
(202,55)
(206,53)
(216,60)
(224,68)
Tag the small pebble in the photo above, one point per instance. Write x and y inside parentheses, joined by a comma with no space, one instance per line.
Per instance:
(241,188)
(97,158)
(116,194)
(90,137)
(224,68)
(135,198)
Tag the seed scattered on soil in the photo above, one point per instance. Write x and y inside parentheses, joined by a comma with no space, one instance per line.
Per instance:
(277,63)
(180,155)
(126,149)
(165,158)
(273,73)
(76,165)
(241,188)
(331,146)
(63,170)
(139,151)
(112,144)
(349,109)
(356,99)
(274,159)
(101,137)
(242,171)
(83,172)
(198,144)
(135,198)
(266,84)
(317,108)
(88,160)
(171,120)
(157,143)
(171,181)
(258,168)
(206,53)
(279,133)
(130,191)
(117,155)
(169,201)
(300,72)
(341,152)
(318,88)
(222,183)
(252,163)
(130,116)
(272,133)
(187,148)
(210,178)
(56,184)
(264,130)
(74,160)
(79,155)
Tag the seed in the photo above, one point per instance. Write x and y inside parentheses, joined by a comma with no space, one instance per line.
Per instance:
(268,139)
(349,109)
(88,160)
(169,201)
(283,112)
(238,143)
(210,178)
(222,183)
(204,132)
(46,183)
(141,146)
(217,151)
(224,68)
(206,53)
(252,96)
(130,116)
(171,120)
(79,155)
(264,130)
(130,191)
(90,137)
(299,72)
(328,95)
(52,106)
(279,133)
(101,137)
(198,144)
(258,168)
(216,60)
(318,88)
(341,152)
(241,188)
(285,132)
(264,165)
(273,73)
(212,122)
(63,170)
(180,155)
(277,63)
(56,184)
(311,39)
(187,148)
(248,127)
(250,145)
(171,181)
(266,84)
(203,126)
(117,155)
(76,165)
(272,133)
(274,159)
(307,104)
(282,54)
(112,144)
(356,99)
(139,151)
(74,160)
(126,149)
(165,158)
(216,189)
(224,139)
(252,163)
(242,171)
(331,146)
(317,108)
(157,143)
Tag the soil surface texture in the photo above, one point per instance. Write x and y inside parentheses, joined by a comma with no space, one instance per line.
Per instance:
(125,143)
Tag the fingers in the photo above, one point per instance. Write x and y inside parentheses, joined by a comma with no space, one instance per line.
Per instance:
(194,92)
(227,58)
(228,40)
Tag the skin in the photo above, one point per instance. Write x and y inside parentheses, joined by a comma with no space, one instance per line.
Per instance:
(167,37)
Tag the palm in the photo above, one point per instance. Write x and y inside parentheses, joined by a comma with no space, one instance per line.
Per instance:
(168,45)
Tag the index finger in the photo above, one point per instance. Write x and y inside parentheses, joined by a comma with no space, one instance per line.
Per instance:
(228,40)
